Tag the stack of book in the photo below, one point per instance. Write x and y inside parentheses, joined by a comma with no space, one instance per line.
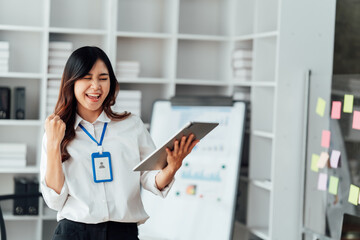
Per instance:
(128,100)
(4,56)
(53,86)
(127,69)
(12,154)
(59,52)
(242,64)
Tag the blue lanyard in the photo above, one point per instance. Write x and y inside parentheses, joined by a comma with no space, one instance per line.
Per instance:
(102,135)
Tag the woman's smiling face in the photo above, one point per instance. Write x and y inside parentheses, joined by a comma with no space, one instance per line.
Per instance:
(91,91)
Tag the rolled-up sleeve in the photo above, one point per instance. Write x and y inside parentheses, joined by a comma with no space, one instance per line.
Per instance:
(146,147)
(53,199)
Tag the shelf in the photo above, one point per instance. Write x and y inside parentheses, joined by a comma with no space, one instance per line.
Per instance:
(253,84)
(156,16)
(144,35)
(256,36)
(204,17)
(262,233)
(201,37)
(24,56)
(77,31)
(21,75)
(49,217)
(263,134)
(11,217)
(22,12)
(15,122)
(144,80)
(200,59)
(30,169)
(266,185)
(54,76)
(200,82)
(21,28)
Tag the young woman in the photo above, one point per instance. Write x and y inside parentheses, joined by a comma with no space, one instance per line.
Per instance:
(88,153)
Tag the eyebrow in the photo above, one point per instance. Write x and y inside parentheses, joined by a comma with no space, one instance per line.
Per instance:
(101,74)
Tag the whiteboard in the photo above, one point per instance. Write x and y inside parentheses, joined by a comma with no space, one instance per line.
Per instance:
(201,203)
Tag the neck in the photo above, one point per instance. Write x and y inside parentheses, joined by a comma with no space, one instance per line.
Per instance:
(88,115)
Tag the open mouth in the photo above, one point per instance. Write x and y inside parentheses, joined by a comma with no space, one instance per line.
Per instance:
(93,97)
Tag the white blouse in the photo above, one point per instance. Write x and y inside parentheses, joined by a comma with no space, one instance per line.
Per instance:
(83,200)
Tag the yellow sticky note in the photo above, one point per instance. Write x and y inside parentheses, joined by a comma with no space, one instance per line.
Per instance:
(354,194)
(314,162)
(333,185)
(348,103)
(320,106)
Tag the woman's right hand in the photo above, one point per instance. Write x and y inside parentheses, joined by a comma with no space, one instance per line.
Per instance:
(55,130)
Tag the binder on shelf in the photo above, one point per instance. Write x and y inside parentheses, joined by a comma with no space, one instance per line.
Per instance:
(32,204)
(4,103)
(20,103)
(20,203)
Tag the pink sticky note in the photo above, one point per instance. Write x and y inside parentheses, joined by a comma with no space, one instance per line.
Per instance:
(336,110)
(356,120)
(322,181)
(334,159)
(325,139)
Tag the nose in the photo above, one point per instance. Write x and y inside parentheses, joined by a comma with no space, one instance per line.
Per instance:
(96,84)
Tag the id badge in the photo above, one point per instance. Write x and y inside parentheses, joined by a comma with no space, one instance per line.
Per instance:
(102,167)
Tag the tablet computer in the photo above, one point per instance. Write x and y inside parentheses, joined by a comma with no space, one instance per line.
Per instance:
(157,159)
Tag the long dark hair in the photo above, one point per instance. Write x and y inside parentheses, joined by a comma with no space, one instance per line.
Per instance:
(78,66)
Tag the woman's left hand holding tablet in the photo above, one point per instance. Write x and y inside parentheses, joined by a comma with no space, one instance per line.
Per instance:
(181,149)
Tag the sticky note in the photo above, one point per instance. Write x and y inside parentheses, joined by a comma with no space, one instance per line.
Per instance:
(333,185)
(348,103)
(322,181)
(325,139)
(334,159)
(356,120)
(324,157)
(353,194)
(314,162)
(336,110)
(320,106)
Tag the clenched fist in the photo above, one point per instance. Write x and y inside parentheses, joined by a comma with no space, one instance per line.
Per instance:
(55,130)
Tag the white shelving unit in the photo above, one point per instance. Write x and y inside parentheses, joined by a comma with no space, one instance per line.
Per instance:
(184,48)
